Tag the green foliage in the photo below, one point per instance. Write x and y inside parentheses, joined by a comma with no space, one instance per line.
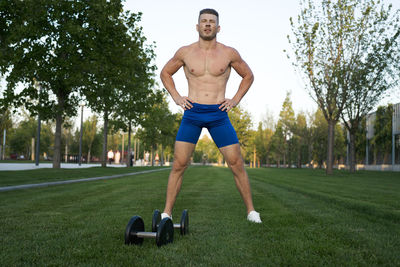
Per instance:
(206,151)
(20,137)
(6,123)
(319,129)
(286,125)
(75,50)
(5,120)
(301,140)
(319,136)
(89,135)
(120,69)
(263,143)
(159,125)
(241,121)
(287,117)
(382,140)
(361,141)
(347,51)
(42,43)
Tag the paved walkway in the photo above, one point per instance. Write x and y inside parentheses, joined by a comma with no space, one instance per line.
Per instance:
(32,166)
(25,186)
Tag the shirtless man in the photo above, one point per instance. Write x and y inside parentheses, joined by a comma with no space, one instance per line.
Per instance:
(207,65)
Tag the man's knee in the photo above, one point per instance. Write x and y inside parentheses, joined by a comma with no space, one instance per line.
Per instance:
(235,162)
(179,165)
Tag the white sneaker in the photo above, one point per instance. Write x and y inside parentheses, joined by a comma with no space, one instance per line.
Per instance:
(254,216)
(165,215)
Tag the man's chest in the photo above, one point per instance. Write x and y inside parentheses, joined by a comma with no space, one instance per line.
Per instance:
(199,63)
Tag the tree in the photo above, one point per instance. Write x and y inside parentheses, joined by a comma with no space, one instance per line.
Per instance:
(318,129)
(301,139)
(157,125)
(20,137)
(42,41)
(286,124)
(369,67)
(278,143)
(361,140)
(268,131)
(75,49)
(6,124)
(67,139)
(89,134)
(260,143)
(341,48)
(120,72)
(206,151)
(241,122)
(382,140)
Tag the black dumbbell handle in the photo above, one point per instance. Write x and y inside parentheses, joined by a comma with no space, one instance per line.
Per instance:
(145,234)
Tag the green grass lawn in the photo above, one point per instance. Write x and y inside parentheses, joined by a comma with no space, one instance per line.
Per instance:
(9,178)
(309,219)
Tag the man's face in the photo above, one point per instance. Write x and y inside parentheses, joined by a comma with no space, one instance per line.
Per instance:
(208,27)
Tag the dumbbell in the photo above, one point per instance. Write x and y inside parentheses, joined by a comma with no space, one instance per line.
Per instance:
(183,226)
(134,233)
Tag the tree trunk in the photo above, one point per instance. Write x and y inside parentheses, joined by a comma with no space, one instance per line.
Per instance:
(331,143)
(386,157)
(128,163)
(57,142)
(289,161)
(88,156)
(284,159)
(162,155)
(105,132)
(152,156)
(352,152)
(299,159)
(135,155)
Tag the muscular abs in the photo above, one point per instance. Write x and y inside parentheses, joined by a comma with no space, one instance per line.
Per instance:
(207,73)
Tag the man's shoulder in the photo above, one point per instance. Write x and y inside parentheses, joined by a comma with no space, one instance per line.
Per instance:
(182,51)
(188,47)
(228,50)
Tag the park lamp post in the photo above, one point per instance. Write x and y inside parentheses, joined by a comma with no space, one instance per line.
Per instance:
(37,151)
(80,138)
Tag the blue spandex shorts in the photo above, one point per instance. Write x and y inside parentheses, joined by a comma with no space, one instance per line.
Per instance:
(211,117)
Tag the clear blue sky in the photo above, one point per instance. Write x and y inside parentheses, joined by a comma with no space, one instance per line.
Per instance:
(256,28)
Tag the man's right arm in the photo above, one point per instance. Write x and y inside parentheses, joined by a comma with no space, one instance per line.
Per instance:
(172,66)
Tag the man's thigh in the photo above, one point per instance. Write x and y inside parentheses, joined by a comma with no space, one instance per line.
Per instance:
(232,154)
(223,133)
(182,152)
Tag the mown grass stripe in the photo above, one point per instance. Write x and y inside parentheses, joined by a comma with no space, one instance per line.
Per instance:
(26,186)
(372,210)
(330,223)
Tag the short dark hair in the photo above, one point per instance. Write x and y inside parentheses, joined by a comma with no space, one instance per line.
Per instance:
(209,11)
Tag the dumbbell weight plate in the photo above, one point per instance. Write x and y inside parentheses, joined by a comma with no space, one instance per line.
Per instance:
(184,222)
(165,232)
(156,220)
(135,225)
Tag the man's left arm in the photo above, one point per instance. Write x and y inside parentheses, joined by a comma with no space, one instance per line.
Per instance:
(241,67)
